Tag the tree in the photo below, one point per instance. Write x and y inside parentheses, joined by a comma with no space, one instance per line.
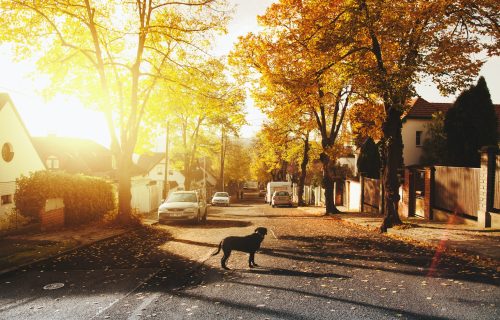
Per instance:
(393,44)
(369,160)
(434,147)
(470,124)
(210,101)
(286,56)
(237,168)
(114,55)
(268,163)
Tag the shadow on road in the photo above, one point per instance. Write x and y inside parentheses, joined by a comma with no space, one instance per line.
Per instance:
(211,224)
(291,273)
(380,253)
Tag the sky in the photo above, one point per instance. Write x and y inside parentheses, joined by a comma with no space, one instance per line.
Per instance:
(65,116)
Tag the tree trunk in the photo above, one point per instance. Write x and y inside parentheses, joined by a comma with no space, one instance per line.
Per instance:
(392,161)
(303,172)
(328,183)
(124,193)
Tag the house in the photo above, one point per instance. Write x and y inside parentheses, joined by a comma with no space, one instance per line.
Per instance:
(415,122)
(154,166)
(148,176)
(74,155)
(19,156)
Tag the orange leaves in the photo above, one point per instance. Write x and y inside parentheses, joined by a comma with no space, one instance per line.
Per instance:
(366,120)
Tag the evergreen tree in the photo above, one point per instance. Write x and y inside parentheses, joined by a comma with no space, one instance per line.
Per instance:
(470,124)
(369,160)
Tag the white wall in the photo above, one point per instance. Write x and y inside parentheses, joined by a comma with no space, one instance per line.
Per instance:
(145,197)
(25,159)
(354,198)
(412,153)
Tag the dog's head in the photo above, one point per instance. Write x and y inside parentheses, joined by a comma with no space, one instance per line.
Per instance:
(262,231)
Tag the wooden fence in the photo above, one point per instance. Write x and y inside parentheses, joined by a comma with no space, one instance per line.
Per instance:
(457,189)
(371,192)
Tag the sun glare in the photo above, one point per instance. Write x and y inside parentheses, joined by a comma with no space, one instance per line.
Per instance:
(63,116)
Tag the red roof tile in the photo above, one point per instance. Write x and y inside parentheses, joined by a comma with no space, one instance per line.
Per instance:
(422,109)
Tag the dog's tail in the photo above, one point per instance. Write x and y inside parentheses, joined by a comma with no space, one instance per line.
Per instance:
(218,250)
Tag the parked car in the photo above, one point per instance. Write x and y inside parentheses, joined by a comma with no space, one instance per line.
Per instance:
(221,199)
(183,205)
(281,198)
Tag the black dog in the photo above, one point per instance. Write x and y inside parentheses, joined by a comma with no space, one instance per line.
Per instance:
(250,244)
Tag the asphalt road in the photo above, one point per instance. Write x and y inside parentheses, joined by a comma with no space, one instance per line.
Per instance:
(311,267)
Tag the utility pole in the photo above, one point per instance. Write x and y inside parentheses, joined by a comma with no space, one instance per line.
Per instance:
(222,157)
(165,182)
(205,177)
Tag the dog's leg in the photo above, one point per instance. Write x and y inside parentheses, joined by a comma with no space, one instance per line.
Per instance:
(251,260)
(223,261)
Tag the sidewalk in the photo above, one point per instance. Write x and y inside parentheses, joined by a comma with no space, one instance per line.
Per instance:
(481,244)
(19,251)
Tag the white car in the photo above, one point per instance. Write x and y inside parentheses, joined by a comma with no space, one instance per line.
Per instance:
(221,199)
(183,205)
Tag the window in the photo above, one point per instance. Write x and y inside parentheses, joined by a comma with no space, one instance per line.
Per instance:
(7,152)
(52,162)
(418,138)
(6,199)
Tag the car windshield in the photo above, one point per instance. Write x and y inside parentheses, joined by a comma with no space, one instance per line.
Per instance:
(282,193)
(182,197)
(221,194)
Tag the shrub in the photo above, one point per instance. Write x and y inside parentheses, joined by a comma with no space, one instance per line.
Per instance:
(85,198)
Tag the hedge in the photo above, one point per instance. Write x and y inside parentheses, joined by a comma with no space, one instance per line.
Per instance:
(85,198)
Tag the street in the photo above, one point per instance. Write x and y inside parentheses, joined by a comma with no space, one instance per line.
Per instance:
(310,267)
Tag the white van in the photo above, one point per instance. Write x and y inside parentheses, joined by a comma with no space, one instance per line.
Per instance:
(277,186)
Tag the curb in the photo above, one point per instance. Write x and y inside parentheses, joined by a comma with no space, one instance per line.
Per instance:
(27,264)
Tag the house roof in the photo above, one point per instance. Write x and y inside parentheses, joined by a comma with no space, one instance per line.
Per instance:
(75,155)
(422,109)
(148,161)
(4,98)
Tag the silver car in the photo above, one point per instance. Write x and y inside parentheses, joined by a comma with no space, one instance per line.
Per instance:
(183,205)
(281,198)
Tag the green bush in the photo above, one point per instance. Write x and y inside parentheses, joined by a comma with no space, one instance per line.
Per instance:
(85,198)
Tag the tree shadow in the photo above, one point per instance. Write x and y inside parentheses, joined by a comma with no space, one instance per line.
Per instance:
(283,314)
(360,252)
(211,224)
(289,272)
